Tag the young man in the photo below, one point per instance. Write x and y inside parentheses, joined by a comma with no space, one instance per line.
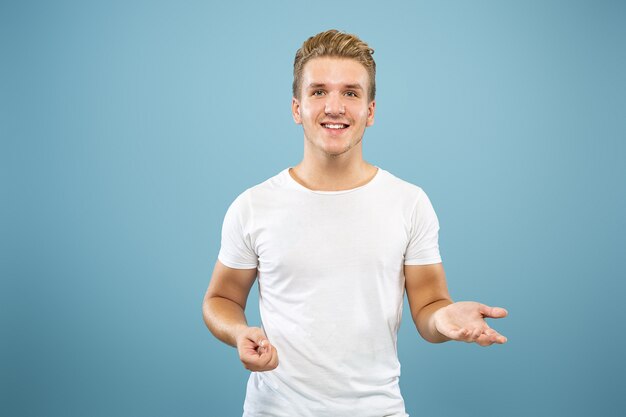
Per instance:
(334,241)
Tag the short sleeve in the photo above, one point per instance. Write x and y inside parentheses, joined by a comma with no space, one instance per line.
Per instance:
(423,246)
(236,249)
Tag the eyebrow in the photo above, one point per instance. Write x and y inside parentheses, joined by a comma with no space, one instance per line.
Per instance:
(350,86)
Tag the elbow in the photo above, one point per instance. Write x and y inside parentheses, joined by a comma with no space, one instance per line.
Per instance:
(206,310)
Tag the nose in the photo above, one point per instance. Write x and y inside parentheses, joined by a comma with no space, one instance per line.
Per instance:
(334,105)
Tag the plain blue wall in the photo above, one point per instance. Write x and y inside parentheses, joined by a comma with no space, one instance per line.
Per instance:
(129,127)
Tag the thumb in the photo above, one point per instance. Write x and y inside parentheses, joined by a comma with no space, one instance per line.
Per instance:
(494,312)
(251,337)
(260,339)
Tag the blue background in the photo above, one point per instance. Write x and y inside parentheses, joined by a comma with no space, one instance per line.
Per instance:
(129,127)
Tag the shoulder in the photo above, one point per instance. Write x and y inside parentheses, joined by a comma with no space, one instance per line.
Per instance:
(400,187)
(275,182)
(265,190)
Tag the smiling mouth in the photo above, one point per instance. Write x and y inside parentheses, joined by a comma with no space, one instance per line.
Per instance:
(335,125)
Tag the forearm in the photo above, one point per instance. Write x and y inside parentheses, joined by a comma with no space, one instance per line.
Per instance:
(224,318)
(426,324)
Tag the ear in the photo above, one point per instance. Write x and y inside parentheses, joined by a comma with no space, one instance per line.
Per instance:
(370,113)
(295,111)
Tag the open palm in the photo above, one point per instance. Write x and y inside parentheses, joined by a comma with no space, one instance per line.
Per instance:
(465,321)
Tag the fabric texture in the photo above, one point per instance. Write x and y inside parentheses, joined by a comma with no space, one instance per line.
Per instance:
(331,287)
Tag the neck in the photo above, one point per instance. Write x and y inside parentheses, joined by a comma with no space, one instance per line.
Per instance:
(323,172)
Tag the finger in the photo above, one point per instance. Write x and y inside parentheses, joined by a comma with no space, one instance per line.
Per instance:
(476,334)
(249,350)
(266,348)
(462,334)
(251,339)
(271,360)
(251,362)
(493,312)
(273,363)
(261,348)
(264,360)
(263,345)
(495,337)
(250,355)
(484,340)
(457,334)
(257,362)
(249,347)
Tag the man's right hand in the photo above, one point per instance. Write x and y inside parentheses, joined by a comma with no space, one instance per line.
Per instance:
(255,351)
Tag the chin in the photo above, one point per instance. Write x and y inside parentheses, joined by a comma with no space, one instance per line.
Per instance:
(343,147)
(331,147)
(336,152)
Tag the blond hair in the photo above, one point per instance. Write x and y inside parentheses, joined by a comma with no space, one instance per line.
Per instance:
(333,43)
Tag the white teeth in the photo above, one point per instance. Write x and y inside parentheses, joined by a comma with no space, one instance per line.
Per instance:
(334,126)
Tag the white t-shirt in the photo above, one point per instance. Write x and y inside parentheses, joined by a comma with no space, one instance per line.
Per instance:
(331,287)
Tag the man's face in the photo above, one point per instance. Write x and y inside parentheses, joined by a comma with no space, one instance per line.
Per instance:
(334,108)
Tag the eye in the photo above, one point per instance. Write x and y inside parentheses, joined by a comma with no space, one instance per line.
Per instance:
(318,92)
(351,94)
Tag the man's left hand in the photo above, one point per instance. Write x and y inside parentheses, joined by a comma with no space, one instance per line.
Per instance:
(465,321)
